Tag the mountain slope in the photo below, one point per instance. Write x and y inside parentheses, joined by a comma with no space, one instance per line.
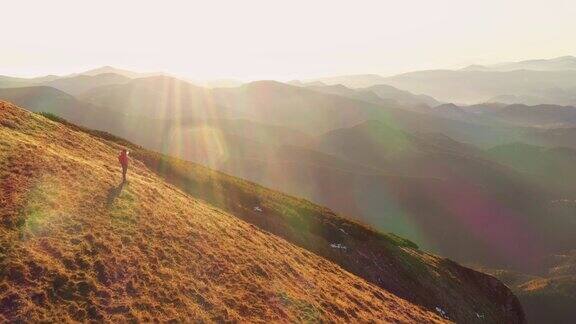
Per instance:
(38,169)
(77,246)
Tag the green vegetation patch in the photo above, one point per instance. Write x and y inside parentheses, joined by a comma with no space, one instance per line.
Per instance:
(38,213)
(305,311)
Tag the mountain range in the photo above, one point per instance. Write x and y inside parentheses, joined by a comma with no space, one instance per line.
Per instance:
(471,182)
(531,82)
(471,87)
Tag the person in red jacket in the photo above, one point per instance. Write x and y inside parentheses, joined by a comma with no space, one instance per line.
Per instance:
(123,159)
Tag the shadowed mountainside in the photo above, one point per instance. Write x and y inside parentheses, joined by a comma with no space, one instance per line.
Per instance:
(550,295)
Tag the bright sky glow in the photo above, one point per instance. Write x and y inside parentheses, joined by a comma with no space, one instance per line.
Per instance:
(253,39)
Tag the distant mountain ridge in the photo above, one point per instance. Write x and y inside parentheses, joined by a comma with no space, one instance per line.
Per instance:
(352,81)
(77,85)
(555,64)
(471,87)
(533,82)
(378,94)
(123,72)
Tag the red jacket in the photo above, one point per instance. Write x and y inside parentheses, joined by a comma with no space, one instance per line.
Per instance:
(123,158)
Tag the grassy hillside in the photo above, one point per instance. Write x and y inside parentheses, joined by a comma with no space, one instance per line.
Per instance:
(77,245)
(390,262)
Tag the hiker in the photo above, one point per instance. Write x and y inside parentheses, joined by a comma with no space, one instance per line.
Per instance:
(123,159)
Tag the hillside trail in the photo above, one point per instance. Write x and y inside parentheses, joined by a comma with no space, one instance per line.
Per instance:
(77,244)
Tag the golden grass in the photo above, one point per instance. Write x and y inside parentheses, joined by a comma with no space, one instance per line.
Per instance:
(77,246)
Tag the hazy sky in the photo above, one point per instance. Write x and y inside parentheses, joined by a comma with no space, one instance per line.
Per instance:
(251,39)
